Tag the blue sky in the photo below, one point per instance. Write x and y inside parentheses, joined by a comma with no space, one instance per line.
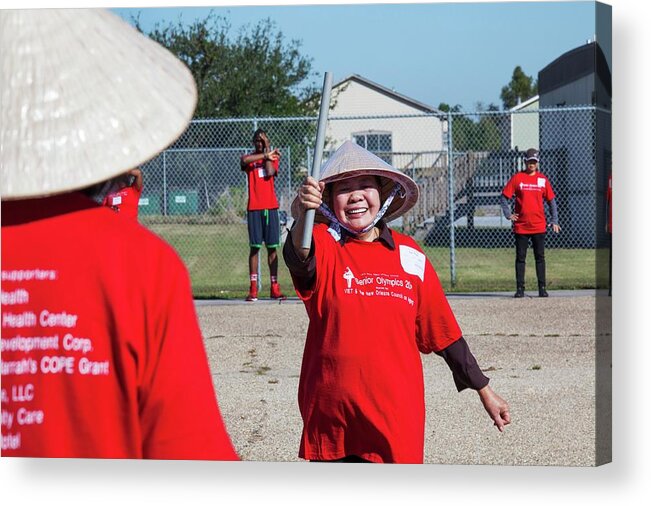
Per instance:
(458,53)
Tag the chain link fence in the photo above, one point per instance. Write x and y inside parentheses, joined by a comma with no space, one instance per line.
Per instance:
(195,193)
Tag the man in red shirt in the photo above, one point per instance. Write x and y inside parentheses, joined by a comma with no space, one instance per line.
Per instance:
(261,167)
(124,197)
(530,188)
(374,303)
(102,355)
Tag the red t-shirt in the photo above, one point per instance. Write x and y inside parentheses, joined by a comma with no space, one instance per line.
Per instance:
(124,201)
(371,311)
(262,194)
(102,356)
(529,191)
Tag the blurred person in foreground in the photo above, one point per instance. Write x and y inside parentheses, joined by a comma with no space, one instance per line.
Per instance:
(531,189)
(374,304)
(262,218)
(102,355)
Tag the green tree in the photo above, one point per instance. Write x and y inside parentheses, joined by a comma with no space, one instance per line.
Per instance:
(443,107)
(255,72)
(521,88)
(471,131)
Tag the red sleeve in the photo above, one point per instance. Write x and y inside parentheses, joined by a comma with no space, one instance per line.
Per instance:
(436,325)
(179,415)
(316,262)
(302,271)
(509,189)
(549,192)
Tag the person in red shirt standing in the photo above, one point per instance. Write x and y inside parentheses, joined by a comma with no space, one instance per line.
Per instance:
(124,197)
(102,355)
(374,303)
(261,167)
(530,188)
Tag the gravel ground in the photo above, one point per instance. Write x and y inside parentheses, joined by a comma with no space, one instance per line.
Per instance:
(539,354)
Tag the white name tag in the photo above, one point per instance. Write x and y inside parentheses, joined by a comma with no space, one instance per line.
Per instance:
(262,172)
(116,201)
(335,235)
(541,182)
(413,261)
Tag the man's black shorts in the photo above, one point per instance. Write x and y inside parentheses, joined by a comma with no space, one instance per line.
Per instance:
(264,226)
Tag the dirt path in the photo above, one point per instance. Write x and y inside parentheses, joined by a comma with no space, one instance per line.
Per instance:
(539,354)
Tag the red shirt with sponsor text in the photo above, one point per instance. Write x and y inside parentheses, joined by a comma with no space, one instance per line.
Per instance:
(530,190)
(124,201)
(372,311)
(262,194)
(102,356)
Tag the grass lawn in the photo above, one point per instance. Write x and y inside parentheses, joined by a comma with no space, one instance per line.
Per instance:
(217,257)
(485,270)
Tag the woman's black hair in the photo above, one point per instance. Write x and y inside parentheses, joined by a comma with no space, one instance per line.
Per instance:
(259,131)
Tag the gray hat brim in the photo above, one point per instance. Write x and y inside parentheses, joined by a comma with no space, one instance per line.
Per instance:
(351,160)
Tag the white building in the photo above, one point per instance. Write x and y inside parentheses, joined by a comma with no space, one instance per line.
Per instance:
(576,146)
(411,138)
(525,125)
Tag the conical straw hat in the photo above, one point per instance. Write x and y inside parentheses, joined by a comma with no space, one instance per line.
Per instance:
(352,160)
(85,97)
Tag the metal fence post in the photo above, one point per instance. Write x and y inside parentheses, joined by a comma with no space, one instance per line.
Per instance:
(289,176)
(501,183)
(164,184)
(453,261)
(255,127)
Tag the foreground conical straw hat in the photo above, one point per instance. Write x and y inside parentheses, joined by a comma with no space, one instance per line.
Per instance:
(85,97)
(352,160)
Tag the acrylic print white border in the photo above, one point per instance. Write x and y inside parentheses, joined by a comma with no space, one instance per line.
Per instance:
(42,481)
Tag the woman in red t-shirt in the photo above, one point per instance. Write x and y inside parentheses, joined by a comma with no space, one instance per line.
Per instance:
(530,189)
(374,304)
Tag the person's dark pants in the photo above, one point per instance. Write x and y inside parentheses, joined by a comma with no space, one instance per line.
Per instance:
(521,245)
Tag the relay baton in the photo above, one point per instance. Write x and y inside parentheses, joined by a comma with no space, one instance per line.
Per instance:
(318,152)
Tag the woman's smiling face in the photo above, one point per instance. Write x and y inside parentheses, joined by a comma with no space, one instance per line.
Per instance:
(356,201)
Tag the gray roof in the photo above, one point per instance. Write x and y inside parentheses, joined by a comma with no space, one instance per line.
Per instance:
(390,93)
(524,104)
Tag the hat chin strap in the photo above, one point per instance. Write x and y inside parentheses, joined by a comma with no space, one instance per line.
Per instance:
(336,225)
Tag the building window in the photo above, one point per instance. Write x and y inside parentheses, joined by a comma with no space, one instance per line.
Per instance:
(378,143)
